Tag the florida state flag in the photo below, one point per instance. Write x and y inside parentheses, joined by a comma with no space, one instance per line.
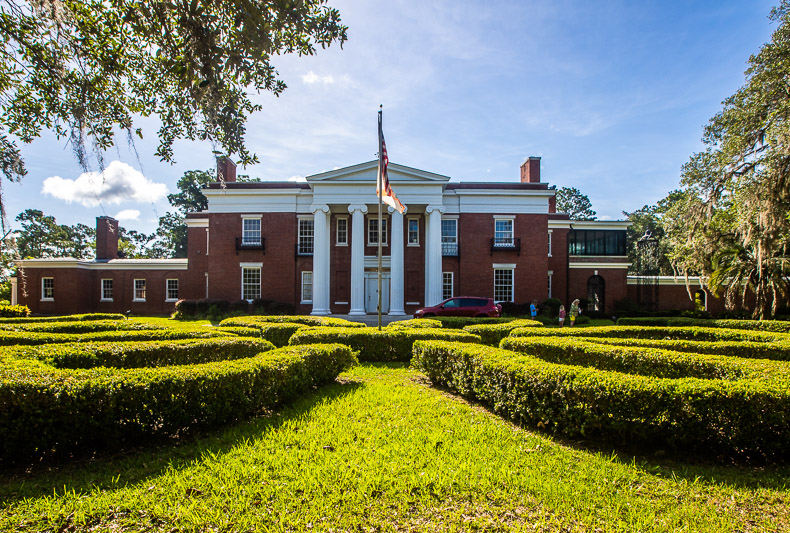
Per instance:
(383,182)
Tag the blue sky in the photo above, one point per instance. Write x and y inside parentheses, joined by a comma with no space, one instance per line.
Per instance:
(613,95)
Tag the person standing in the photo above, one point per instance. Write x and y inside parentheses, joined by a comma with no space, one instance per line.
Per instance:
(562,315)
(575,311)
(533,309)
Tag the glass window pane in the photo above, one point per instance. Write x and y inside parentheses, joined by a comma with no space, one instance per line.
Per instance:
(251,231)
(250,283)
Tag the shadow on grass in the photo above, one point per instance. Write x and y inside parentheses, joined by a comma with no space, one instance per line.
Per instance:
(107,470)
(660,460)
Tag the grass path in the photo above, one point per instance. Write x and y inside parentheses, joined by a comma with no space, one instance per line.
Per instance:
(382,451)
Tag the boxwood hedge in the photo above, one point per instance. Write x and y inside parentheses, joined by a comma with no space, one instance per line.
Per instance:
(492,334)
(13,311)
(374,345)
(458,322)
(81,326)
(64,318)
(668,333)
(9,338)
(776,326)
(278,333)
(53,412)
(293,319)
(646,361)
(423,323)
(744,418)
(147,354)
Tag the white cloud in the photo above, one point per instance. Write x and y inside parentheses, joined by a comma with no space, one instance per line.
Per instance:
(298,179)
(311,78)
(117,184)
(128,214)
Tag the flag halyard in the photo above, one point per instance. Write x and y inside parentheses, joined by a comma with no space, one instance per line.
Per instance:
(383,182)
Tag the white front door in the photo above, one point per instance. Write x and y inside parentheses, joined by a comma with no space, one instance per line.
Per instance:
(372,292)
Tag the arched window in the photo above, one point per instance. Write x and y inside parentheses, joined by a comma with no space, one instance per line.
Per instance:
(700,300)
(595,293)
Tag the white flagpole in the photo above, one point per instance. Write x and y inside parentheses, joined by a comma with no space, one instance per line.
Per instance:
(380,188)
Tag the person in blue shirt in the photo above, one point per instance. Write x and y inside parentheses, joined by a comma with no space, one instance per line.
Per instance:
(533,309)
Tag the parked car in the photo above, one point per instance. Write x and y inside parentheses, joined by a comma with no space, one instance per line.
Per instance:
(462,306)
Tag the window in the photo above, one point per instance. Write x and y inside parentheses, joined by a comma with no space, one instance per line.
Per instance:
(172,290)
(139,290)
(601,243)
(47,288)
(503,233)
(503,284)
(414,232)
(373,232)
(447,285)
(251,232)
(250,283)
(342,231)
(551,273)
(449,236)
(307,287)
(549,243)
(596,289)
(106,290)
(306,233)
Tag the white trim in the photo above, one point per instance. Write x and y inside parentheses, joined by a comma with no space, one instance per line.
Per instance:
(259,216)
(600,225)
(341,303)
(386,227)
(301,287)
(101,289)
(560,224)
(305,217)
(512,282)
(452,285)
(134,289)
(197,222)
(550,232)
(408,220)
(447,217)
(337,228)
(504,265)
(113,264)
(670,280)
(413,303)
(504,217)
(599,265)
(167,289)
(250,265)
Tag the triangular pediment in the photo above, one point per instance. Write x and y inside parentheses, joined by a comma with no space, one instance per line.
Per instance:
(366,173)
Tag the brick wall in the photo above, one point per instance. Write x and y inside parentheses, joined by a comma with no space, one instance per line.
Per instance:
(615,287)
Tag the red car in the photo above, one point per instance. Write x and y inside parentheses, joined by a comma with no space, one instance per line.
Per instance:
(462,306)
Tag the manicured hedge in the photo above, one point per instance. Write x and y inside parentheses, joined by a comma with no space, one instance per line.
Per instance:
(148,354)
(644,361)
(776,326)
(492,334)
(54,412)
(10,338)
(646,332)
(374,345)
(14,310)
(81,326)
(64,318)
(458,322)
(292,319)
(423,323)
(779,350)
(278,333)
(741,418)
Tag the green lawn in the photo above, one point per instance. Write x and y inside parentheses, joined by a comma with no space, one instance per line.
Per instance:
(383,451)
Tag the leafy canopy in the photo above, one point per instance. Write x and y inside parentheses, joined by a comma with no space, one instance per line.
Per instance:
(87,69)
(572,201)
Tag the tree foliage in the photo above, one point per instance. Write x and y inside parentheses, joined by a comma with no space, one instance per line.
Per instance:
(87,69)
(41,236)
(735,219)
(572,201)
(653,219)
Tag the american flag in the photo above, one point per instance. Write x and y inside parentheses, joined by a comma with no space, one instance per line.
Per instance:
(383,182)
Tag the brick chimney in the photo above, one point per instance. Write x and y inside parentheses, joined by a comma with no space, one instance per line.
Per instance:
(553,204)
(226,169)
(106,238)
(530,170)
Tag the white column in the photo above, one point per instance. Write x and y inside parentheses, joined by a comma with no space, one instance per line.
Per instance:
(433,266)
(321,241)
(14,296)
(396,265)
(357,259)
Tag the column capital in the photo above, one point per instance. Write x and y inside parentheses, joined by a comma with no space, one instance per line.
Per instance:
(319,207)
(362,208)
(434,207)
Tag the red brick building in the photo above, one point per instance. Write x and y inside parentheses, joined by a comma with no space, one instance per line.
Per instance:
(314,244)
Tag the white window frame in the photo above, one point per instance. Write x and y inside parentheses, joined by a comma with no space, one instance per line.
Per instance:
(551,273)
(550,243)
(45,289)
(255,239)
(409,241)
(251,267)
(504,268)
(103,294)
(167,289)
(508,241)
(384,228)
(446,239)
(307,280)
(445,276)
(136,298)
(302,233)
(344,233)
